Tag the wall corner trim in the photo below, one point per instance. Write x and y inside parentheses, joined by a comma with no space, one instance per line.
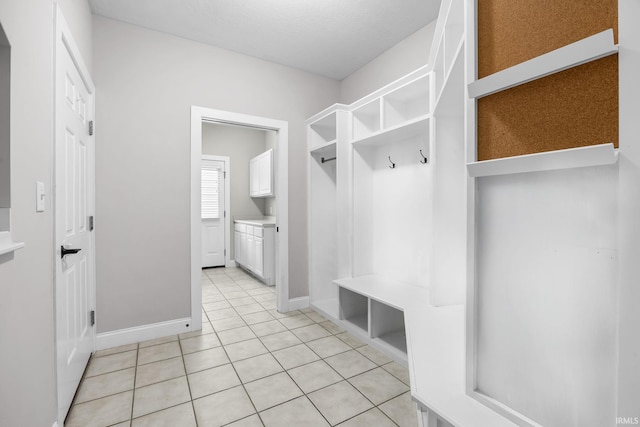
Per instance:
(143,333)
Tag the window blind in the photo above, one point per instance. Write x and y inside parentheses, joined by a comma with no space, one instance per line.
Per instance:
(210,199)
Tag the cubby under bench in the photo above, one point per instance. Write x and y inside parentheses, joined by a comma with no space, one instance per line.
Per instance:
(371,308)
(398,319)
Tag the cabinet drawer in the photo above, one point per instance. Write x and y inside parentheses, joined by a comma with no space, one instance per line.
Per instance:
(258,231)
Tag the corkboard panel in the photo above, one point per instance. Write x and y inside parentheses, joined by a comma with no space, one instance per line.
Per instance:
(514,31)
(573,108)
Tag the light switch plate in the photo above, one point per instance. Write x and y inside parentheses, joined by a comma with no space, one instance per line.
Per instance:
(40,196)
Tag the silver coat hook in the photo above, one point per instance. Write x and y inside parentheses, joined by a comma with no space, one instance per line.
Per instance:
(424,159)
(393,165)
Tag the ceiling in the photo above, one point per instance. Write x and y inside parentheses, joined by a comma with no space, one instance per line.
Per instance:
(332,38)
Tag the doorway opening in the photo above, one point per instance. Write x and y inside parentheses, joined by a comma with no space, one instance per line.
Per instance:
(203,118)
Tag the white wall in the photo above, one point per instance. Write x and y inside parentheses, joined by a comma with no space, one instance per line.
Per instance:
(406,56)
(240,145)
(27,359)
(146,83)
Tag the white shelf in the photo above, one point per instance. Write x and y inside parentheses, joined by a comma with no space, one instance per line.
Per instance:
(406,103)
(592,155)
(416,127)
(390,292)
(323,127)
(327,149)
(580,52)
(7,245)
(367,119)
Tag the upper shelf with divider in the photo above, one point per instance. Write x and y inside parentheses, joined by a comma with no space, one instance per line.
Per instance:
(574,54)
(398,114)
(323,128)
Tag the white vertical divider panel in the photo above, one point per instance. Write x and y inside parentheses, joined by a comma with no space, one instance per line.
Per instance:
(344,154)
(363,239)
(547,294)
(448,279)
(628,390)
(471,155)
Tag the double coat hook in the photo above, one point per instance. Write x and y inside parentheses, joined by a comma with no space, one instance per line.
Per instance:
(424,159)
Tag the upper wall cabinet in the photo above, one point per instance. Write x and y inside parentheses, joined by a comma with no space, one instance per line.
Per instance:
(261,175)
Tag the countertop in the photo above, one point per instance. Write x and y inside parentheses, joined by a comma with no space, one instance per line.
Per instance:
(266,222)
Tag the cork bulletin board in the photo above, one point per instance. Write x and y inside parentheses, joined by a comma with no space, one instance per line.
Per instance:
(573,108)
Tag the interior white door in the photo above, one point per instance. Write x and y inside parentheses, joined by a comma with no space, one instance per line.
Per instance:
(74,203)
(212,213)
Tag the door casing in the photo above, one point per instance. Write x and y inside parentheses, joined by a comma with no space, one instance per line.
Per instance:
(203,114)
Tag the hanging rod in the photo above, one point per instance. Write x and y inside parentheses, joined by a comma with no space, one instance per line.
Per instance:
(323,160)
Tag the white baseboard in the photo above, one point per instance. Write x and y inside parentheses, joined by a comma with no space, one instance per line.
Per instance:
(231,264)
(55,424)
(298,303)
(143,333)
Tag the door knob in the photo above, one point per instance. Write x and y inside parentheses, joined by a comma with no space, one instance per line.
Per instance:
(64,251)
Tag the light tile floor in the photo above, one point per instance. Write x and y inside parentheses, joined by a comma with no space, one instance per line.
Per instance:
(249,366)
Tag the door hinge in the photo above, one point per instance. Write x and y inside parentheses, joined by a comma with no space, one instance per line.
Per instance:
(90,127)
(92,317)
(91,223)
(225,214)
(225,252)
(224,175)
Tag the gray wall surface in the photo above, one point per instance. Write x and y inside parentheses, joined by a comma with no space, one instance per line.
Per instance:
(240,145)
(147,82)
(406,56)
(27,359)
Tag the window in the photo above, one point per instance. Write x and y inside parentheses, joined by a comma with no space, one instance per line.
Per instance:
(210,200)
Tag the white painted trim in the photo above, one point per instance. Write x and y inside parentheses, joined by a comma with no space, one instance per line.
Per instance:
(144,333)
(591,155)
(228,232)
(571,55)
(55,424)
(298,303)
(203,114)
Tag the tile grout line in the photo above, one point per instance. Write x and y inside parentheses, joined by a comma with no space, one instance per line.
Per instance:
(241,382)
(186,376)
(135,378)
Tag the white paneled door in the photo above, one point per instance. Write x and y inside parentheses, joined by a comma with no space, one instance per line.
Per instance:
(213,212)
(74,205)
